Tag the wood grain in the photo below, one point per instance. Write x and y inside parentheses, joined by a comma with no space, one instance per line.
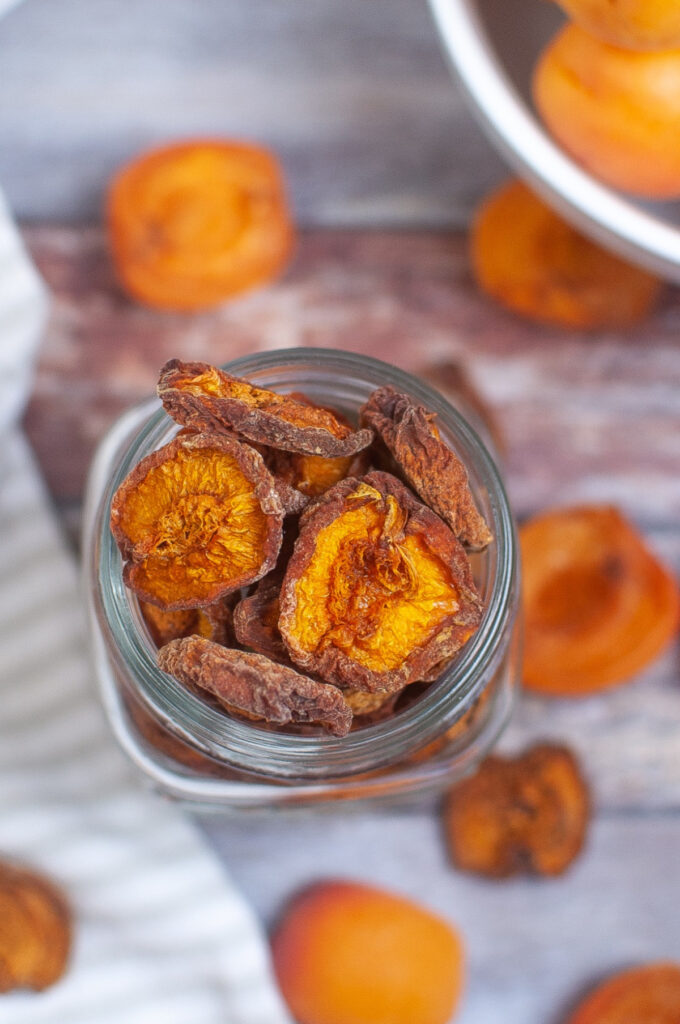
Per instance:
(354,96)
(585,417)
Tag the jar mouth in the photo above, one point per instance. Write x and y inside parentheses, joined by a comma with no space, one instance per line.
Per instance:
(345,380)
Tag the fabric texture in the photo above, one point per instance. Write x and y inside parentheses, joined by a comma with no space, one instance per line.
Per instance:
(160,934)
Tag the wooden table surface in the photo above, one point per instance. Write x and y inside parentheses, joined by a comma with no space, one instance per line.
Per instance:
(584,418)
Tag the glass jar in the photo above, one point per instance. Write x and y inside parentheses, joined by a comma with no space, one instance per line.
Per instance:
(194,752)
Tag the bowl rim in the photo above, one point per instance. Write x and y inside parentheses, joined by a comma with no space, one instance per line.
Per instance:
(600,212)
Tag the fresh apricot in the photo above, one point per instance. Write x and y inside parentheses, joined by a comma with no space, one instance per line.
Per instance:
(195,223)
(634,24)
(347,953)
(534,263)
(598,605)
(616,112)
(640,995)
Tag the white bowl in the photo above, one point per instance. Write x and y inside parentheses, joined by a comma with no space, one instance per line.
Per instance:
(494,45)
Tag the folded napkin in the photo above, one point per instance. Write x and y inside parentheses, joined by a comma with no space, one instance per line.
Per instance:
(160,935)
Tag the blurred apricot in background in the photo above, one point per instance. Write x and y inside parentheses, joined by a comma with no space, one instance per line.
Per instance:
(615,111)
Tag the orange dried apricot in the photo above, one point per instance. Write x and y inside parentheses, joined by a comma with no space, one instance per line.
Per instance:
(640,995)
(378,589)
(633,24)
(616,112)
(314,474)
(527,815)
(204,397)
(197,520)
(532,262)
(598,605)
(194,223)
(434,472)
(346,953)
(35,930)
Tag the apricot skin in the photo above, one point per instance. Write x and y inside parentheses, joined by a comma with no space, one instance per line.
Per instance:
(346,953)
(616,112)
(633,24)
(531,261)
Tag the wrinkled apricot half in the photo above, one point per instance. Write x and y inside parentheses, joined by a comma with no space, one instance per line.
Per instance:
(35,930)
(253,685)
(346,953)
(195,223)
(633,24)
(531,261)
(196,520)
(523,815)
(410,433)
(598,605)
(616,112)
(641,995)
(203,397)
(378,589)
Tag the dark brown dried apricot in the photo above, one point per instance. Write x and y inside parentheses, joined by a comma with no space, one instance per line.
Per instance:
(640,995)
(35,930)
(196,520)
(378,589)
(430,467)
(255,686)
(526,815)
(598,605)
(204,397)
(256,619)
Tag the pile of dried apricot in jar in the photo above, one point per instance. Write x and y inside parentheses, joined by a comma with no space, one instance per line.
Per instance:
(291,568)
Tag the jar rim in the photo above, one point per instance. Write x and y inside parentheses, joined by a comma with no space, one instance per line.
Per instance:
(287,756)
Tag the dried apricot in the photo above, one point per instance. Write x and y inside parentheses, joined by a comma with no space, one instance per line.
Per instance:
(195,223)
(35,930)
(633,24)
(204,397)
(534,263)
(434,472)
(640,995)
(314,474)
(598,605)
(378,589)
(256,619)
(255,686)
(614,111)
(346,953)
(369,707)
(212,622)
(527,815)
(196,520)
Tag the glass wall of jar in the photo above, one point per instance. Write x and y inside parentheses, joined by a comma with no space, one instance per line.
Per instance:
(194,751)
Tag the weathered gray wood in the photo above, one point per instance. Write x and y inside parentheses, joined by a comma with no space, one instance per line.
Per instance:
(585,417)
(354,95)
(532,946)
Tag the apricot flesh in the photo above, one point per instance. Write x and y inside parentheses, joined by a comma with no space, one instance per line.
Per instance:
(347,953)
(598,606)
(616,112)
(634,24)
(531,261)
(640,995)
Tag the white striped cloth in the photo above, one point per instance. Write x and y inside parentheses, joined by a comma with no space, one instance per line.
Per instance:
(161,936)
